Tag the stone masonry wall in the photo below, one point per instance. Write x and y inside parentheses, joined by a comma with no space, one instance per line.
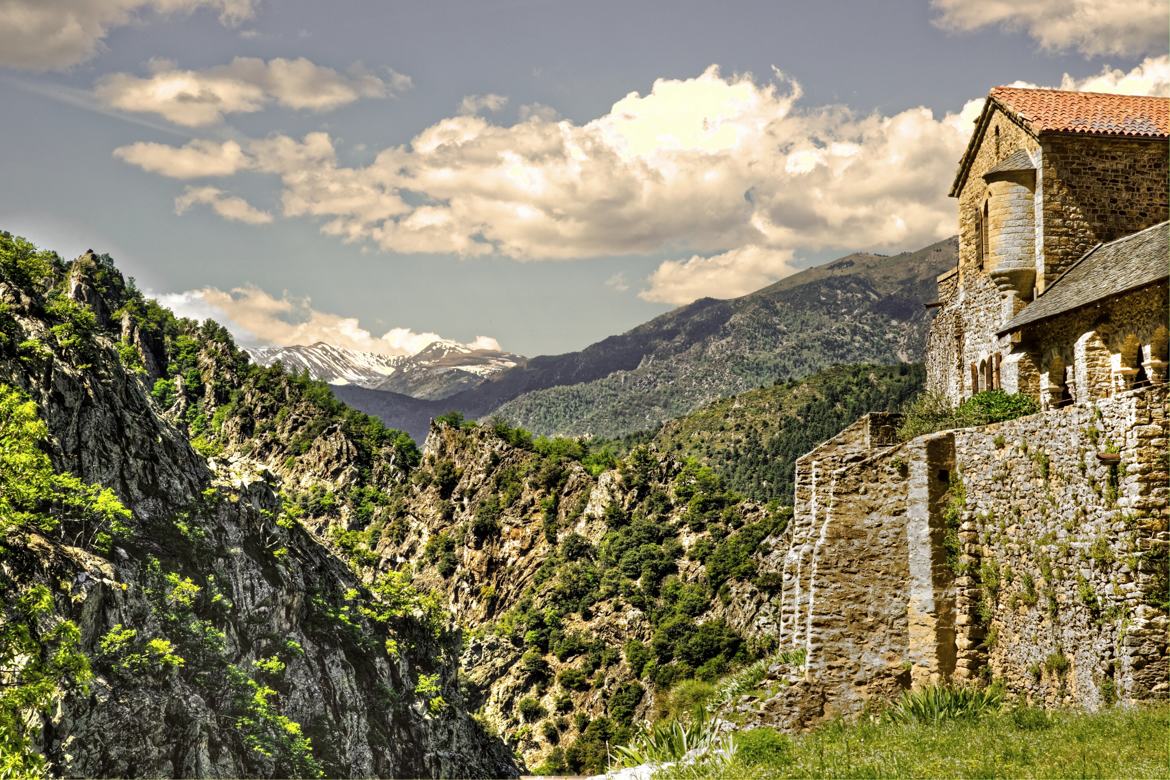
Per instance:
(1062,593)
(1032,551)
(1096,190)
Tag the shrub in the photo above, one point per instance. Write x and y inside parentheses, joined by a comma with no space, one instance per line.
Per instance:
(932,412)
(624,702)
(1028,718)
(573,678)
(763,746)
(530,709)
(939,703)
(699,740)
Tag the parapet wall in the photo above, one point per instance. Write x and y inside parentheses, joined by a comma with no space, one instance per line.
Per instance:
(1031,552)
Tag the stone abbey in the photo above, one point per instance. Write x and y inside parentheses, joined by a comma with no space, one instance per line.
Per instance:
(1032,552)
(1060,290)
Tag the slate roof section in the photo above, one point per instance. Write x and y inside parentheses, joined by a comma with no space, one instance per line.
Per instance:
(1094,113)
(1018,160)
(1126,264)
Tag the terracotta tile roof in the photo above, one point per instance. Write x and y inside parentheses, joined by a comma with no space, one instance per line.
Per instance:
(1096,113)
(1128,263)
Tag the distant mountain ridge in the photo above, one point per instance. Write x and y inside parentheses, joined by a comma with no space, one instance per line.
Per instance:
(440,369)
(863,307)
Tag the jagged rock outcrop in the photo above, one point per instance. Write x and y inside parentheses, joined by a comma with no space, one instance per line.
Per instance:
(224,639)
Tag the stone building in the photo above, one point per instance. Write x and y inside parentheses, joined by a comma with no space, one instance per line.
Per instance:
(1033,551)
(1050,181)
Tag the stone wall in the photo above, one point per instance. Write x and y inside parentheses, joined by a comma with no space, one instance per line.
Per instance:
(1031,552)
(1096,190)
(1062,586)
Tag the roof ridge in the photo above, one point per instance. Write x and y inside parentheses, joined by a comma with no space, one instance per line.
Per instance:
(1080,92)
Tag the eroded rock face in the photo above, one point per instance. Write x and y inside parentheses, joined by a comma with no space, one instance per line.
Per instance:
(267,624)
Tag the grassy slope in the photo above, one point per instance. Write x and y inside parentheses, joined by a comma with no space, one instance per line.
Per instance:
(753,439)
(1114,743)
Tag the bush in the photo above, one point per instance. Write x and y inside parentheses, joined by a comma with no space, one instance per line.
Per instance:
(685,699)
(763,746)
(530,709)
(624,702)
(932,412)
(573,679)
(1028,718)
(938,703)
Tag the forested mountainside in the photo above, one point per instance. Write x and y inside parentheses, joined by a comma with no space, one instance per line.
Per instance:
(752,440)
(165,610)
(245,577)
(860,308)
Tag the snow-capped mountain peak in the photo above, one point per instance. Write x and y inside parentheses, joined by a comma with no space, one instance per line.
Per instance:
(439,369)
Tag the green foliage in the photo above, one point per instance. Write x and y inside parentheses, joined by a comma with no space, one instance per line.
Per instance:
(589,753)
(932,412)
(34,497)
(955,503)
(41,659)
(938,703)
(698,739)
(1128,743)
(530,709)
(763,746)
(624,701)
(487,519)
(123,651)
(752,440)
(267,732)
(23,265)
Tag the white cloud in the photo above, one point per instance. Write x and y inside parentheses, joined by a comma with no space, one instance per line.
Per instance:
(728,176)
(1151,77)
(539,112)
(618,282)
(258,318)
(474,104)
(197,159)
(230,207)
(725,275)
(704,164)
(1095,27)
(201,97)
(55,34)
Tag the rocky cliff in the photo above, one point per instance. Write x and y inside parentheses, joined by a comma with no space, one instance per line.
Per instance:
(165,611)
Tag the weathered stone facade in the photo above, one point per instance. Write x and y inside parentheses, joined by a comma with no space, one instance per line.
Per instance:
(1031,204)
(1033,551)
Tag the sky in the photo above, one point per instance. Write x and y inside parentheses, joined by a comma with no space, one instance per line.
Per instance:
(527,174)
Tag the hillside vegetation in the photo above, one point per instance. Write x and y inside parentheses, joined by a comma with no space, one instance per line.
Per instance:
(752,440)
(166,613)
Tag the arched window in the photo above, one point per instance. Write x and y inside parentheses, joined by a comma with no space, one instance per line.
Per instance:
(985,374)
(974,379)
(996,376)
(996,142)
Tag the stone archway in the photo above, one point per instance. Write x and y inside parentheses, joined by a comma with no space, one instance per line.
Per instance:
(1054,381)
(1092,367)
(1128,364)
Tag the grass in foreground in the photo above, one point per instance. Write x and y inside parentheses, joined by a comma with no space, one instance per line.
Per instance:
(1022,743)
